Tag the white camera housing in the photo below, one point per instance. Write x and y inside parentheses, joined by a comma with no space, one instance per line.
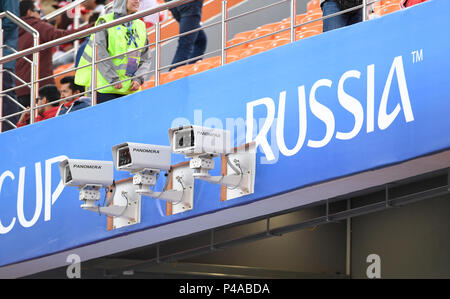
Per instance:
(78,173)
(134,157)
(194,140)
(145,161)
(90,176)
(203,144)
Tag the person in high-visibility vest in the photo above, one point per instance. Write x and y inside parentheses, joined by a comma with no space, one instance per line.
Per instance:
(114,41)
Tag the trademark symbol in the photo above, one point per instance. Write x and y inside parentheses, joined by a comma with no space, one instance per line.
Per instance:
(417,55)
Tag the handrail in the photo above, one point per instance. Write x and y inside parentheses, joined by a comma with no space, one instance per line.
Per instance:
(293,5)
(16,20)
(95,29)
(35,63)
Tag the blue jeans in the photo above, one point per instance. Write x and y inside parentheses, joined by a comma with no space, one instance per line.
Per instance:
(192,45)
(106,97)
(330,7)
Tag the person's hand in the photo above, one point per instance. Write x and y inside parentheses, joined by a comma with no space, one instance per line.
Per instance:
(24,116)
(135,85)
(118,86)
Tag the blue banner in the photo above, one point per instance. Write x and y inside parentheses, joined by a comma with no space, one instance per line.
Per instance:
(343,102)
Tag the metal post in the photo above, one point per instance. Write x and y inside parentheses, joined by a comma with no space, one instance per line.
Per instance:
(448,179)
(157,51)
(94,72)
(34,64)
(211,246)
(386,193)
(76,25)
(268,232)
(348,242)
(293,13)
(34,79)
(224,32)
(157,254)
(364,12)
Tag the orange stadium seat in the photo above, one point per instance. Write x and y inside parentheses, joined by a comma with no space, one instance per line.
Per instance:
(376,10)
(315,11)
(282,25)
(261,32)
(304,34)
(238,40)
(261,43)
(298,18)
(241,36)
(279,42)
(233,55)
(201,67)
(214,61)
(284,34)
(387,9)
(252,51)
(164,78)
(176,74)
(313,26)
(312,5)
(310,18)
(269,28)
(148,84)
(389,2)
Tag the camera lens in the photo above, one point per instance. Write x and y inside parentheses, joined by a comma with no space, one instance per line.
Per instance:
(124,156)
(68,174)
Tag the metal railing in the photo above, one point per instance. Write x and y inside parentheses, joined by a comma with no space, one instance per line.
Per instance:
(157,44)
(34,63)
(76,22)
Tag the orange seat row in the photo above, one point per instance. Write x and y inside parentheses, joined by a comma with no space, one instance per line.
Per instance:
(262,39)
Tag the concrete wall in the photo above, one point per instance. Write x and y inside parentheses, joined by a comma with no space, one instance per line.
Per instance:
(412,241)
(320,249)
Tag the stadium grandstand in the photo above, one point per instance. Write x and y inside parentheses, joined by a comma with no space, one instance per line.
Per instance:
(286,145)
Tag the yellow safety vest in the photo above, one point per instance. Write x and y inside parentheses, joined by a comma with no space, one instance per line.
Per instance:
(121,39)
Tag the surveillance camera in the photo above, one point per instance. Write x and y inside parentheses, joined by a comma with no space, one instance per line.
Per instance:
(195,141)
(146,161)
(90,177)
(134,157)
(79,173)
